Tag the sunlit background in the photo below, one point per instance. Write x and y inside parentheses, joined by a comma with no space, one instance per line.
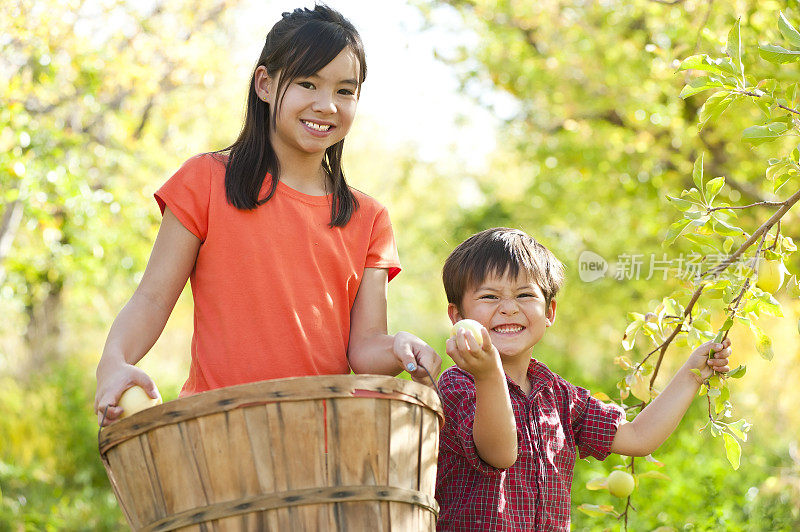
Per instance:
(561,118)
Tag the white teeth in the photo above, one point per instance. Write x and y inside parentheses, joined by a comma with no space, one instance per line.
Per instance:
(508,328)
(318,127)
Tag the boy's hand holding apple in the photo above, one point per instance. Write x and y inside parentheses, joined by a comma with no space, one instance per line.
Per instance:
(471,349)
(709,358)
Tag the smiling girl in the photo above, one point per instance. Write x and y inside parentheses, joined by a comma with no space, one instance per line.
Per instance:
(288,265)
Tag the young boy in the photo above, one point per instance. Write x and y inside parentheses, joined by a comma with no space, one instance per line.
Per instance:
(508,445)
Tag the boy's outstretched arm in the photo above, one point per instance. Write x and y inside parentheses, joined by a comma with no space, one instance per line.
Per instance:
(494,429)
(656,422)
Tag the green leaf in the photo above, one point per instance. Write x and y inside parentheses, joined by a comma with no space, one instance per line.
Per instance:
(681,204)
(721,401)
(734,47)
(715,106)
(780,181)
(779,168)
(767,304)
(788,31)
(630,334)
(654,474)
(732,450)
(763,342)
(740,429)
(713,187)
(697,170)
(727,246)
(698,85)
(767,133)
(596,510)
(702,240)
(738,372)
(653,460)
(726,229)
(777,54)
(705,63)
(675,230)
(597,483)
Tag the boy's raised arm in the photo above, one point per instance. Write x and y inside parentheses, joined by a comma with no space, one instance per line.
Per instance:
(656,422)
(494,430)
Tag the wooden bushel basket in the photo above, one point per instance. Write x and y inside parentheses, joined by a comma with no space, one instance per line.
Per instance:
(342,452)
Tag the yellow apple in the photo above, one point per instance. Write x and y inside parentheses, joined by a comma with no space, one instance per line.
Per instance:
(770,275)
(135,399)
(620,483)
(469,325)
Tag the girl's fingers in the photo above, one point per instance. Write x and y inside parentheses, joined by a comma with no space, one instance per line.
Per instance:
(111,414)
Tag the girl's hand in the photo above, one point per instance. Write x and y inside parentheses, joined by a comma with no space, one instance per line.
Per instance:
(413,353)
(111,383)
(479,361)
(700,359)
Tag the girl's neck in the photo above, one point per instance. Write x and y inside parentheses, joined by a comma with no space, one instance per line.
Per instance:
(304,174)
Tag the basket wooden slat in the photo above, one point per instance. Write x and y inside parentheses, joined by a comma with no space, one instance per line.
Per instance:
(313,453)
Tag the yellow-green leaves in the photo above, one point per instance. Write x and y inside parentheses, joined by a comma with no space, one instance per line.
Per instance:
(757,135)
(778,54)
(598,510)
(788,31)
(732,450)
(734,47)
(763,342)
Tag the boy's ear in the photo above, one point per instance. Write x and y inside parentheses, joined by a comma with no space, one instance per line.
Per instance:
(550,315)
(452,311)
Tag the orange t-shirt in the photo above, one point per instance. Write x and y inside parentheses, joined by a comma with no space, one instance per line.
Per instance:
(273,286)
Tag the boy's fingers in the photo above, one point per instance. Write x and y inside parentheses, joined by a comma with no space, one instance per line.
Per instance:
(487,340)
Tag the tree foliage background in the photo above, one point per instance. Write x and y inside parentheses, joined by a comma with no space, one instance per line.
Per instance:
(101,101)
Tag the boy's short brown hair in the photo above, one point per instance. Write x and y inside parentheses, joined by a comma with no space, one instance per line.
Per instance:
(498,251)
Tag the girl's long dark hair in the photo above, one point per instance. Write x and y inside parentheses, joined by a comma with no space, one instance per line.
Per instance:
(298,45)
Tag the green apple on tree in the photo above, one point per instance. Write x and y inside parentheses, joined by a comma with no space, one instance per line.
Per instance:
(468,325)
(620,484)
(134,400)
(770,275)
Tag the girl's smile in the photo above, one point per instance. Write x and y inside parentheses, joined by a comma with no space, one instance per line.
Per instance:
(321,129)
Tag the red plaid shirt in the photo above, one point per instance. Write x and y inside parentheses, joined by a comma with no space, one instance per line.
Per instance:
(534,493)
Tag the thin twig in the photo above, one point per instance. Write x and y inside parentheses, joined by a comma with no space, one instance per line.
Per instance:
(756,95)
(759,204)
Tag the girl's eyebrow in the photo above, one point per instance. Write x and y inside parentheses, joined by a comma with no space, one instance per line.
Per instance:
(351,81)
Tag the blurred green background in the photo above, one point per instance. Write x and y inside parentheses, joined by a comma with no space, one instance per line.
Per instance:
(575,131)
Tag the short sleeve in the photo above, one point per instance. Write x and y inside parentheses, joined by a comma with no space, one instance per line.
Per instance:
(188,194)
(594,423)
(382,252)
(458,400)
